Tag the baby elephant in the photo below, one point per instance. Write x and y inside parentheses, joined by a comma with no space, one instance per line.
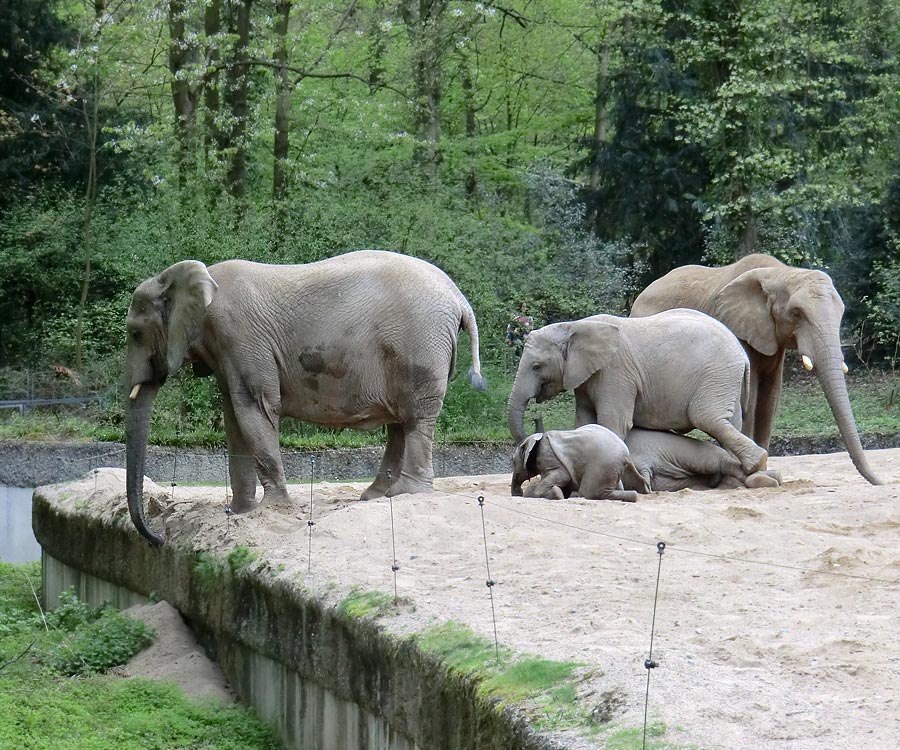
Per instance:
(590,461)
(669,462)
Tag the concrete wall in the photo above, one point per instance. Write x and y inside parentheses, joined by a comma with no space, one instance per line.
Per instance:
(28,464)
(325,680)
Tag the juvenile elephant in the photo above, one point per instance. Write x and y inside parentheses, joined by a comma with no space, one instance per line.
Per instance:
(668,462)
(677,370)
(360,340)
(588,462)
(770,307)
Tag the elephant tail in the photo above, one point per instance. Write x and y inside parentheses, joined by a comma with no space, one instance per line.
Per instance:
(469,324)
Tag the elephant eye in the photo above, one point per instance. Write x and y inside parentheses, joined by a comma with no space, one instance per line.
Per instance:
(796,313)
(536,366)
(136,337)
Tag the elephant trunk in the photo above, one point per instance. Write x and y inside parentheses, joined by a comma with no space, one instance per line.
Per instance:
(828,360)
(137,426)
(515,410)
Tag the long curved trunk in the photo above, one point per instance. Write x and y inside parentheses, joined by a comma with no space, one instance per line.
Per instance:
(828,360)
(515,410)
(137,426)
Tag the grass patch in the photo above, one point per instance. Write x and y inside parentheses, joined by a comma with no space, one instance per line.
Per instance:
(41,708)
(545,688)
(240,557)
(188,413)
(366,604)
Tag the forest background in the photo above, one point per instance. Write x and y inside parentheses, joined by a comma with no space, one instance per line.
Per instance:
(550,156)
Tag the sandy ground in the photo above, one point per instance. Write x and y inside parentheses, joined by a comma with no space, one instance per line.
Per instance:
(777,618)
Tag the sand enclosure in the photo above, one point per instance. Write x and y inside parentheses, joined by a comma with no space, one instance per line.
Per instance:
(777,617)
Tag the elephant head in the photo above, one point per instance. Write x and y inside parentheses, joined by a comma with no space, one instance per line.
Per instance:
(778,308)
(164,319)
(559,357)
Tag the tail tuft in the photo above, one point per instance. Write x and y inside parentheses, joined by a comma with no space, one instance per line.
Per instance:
(477,380)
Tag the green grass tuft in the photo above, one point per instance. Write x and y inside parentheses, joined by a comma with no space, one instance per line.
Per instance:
(366,604)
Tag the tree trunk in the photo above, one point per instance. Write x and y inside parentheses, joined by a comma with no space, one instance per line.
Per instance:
(601,123)
(184,97)
(469,101)
(283,91)
(213,136)
(423,24)
(236,92)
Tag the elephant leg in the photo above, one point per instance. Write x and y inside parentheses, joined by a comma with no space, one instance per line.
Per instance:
(257,419)
(585,411)
(241,467)
(752,457)
(390,463)
(416,470)
(552,485)
(767,399)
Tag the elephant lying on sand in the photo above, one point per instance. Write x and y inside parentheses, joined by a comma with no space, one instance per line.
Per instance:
(677,370)
(771,308)
(667,462)
(360,340)
(588,462)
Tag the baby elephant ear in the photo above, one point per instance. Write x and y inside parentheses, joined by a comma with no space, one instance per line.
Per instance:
(187,289)
(527,448)
(590,347)
(744,306)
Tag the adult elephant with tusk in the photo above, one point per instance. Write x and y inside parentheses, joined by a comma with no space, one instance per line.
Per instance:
(771,307)
(360,340)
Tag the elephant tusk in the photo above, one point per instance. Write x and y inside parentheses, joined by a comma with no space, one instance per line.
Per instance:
(845,368)
(807,362)
(135,391)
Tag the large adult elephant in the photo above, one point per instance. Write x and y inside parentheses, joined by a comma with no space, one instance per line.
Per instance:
(360,340)
(677,370)
(770,307)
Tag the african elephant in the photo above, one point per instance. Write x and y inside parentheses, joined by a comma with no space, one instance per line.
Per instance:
(770,307)
(588,462)
(668,462)
(359,340)
(678,370)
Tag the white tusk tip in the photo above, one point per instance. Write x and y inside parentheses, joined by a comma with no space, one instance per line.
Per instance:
(134,392)
(807,362)
(845,368)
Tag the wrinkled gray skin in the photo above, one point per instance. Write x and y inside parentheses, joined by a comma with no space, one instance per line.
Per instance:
(361,340)
(770,307)
(668,462)
(678,370)
(588,462)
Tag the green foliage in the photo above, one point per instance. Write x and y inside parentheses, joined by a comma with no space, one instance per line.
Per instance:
(108,640)
(240,557)
(40,708)
(359,604)
(544,687)
(208,569)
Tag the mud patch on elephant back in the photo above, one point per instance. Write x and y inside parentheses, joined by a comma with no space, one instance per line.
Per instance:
(312,361)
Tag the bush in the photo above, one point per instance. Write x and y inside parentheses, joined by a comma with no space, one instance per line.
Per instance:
(91,640)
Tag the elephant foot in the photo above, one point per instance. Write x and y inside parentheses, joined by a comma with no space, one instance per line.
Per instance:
(755,461)
(410,485)
(624,496)
(243,504)
(763,479)
(278,499)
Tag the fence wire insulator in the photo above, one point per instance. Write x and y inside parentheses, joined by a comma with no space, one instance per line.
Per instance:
(649,663)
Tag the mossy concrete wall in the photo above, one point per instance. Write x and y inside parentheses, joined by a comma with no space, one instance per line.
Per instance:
(326,680)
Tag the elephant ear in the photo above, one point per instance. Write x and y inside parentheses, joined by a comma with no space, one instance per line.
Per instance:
(186,289)
(526,449)
(564,444)
(590,347)
(744,306)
